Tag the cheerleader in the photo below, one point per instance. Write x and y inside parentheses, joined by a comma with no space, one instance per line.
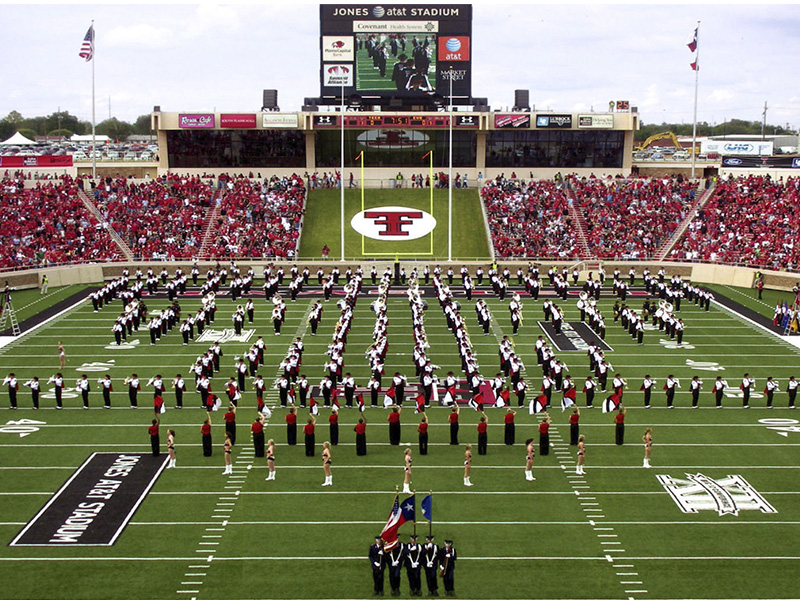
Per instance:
(171,448)
(530,454)
(227,446)
(326,463)
(467,464)
(271,460)
(581,455)
(407,471)
(647,438)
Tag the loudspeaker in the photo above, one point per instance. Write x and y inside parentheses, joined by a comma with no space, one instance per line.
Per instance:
(522,100)
(270,100)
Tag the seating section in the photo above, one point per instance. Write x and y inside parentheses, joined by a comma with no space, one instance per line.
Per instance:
(630,218)
(162,219)
(48,225)
(258,219)
(751,220)
(529,219)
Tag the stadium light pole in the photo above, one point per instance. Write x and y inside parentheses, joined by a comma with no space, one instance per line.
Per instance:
(450,176)
(341,177)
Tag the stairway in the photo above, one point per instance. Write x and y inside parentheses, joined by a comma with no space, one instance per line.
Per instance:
(579,225)
(668,244)
(121,244)
(211,216)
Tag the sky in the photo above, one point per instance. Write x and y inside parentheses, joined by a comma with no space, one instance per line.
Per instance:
(572,57)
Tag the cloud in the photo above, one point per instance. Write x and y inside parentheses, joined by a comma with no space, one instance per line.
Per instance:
(137,35)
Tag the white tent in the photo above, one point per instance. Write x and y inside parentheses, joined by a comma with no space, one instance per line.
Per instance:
(18,140)
(87,139)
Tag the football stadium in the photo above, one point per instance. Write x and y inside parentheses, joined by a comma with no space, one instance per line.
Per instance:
(247,370)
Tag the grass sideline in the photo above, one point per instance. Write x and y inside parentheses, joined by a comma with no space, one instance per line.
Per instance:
(293,539)
(322,218)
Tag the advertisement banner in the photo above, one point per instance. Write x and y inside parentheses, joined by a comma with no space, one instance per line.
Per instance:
(454,48)
(204,121)
(736,148)
(238,121)
(763,162)
(275,121)
(466,121)
(337,48)
(338,75)
(513,121)
(36,161)
(596,121)
(325,121)
(554,121)
(423,27)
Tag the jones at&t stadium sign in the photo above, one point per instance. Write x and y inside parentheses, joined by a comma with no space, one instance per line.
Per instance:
(393,223)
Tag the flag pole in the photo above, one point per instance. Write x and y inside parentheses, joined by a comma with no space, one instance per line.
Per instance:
(696,75)
(94,148)
(450,177)
(341,179)
(414,493)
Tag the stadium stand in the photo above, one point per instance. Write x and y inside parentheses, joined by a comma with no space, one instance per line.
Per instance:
(529,219)
(47,224)
(749,220)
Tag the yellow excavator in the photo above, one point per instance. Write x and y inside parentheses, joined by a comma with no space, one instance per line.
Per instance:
(658,136)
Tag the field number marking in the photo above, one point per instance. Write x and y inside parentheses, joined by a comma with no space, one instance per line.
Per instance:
(782,426)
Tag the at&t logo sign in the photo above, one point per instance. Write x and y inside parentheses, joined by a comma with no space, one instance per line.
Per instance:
(393,223)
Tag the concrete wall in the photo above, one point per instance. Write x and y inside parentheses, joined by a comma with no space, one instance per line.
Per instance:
(696,272)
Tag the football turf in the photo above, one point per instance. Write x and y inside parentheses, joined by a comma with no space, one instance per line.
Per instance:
(613,533)
(322,218)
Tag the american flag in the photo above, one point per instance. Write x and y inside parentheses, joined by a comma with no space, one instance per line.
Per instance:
(87,48)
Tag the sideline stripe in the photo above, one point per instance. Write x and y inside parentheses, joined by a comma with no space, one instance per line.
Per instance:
(451,467)
(553,523)
(361,558)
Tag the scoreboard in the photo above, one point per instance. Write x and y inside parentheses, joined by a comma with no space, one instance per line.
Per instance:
(399,121)
(396,51)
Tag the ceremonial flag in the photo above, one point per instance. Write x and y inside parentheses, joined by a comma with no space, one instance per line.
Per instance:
(401,512)
(265,411)
(420,400)
(449,395)
(566,402)
(87,48)
(473,402)
(537,405)
(360,401)
(692,43)
(314,407)
(611,403)
(427,507)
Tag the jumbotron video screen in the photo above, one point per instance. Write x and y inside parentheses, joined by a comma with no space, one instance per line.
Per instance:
(396,51)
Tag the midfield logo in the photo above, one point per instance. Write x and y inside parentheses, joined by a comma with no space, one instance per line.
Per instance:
(726,496)
(396,223)
(209,336)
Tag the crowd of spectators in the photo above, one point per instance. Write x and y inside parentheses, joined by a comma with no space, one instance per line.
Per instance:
(259,218)
(749,220)
(47,224)
(161,219)
(529,219)
(629,218)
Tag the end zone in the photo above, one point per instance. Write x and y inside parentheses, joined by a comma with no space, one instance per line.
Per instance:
(93,507)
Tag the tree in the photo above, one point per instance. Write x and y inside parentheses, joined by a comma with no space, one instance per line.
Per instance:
(14,118)
(114,128)
(28,133)
(142,125)
(63,120)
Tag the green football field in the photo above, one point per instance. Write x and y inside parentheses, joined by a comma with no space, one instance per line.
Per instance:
(322,219)
(614,533)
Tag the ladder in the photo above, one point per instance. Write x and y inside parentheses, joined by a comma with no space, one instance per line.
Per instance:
(9,313)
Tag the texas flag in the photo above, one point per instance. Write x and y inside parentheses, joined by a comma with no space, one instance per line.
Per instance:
(692,43)
(401,512)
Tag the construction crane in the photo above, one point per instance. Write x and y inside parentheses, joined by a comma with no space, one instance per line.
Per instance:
(659,136)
